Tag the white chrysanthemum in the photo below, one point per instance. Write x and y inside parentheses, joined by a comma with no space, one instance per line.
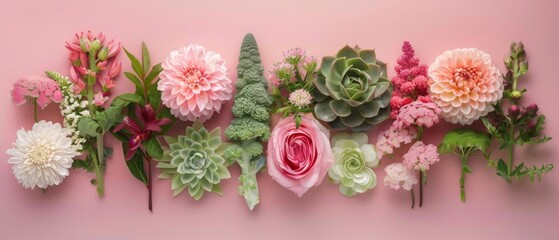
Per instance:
(42,156)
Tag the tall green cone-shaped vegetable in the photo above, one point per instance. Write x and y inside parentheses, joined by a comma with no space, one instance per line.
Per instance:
(352,90)
(251,124)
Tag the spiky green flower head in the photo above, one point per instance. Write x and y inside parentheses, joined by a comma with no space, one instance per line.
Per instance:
(355,158)
(194,161)
(352,90)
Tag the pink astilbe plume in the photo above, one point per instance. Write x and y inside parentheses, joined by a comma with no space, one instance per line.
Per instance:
(410,82)
(41,89)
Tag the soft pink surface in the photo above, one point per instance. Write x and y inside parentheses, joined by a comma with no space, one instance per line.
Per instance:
(32,40)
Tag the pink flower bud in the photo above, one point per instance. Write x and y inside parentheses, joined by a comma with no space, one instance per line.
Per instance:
(532,109)
(100,99)
(514,110)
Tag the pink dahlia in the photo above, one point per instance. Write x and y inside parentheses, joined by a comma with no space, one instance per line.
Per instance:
(194,83)
(420,156)
(464,84)
(36,88)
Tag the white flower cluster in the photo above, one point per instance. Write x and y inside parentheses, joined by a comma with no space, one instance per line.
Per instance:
(72,108)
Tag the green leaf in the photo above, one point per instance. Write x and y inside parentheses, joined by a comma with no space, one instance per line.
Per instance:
(134,79)
(145,57)
(136,164)
(108,118)
(153,148)
(153,75)
(89,127)
(136,65)
(502,170)
(260,164)
(154,97)
(125,99)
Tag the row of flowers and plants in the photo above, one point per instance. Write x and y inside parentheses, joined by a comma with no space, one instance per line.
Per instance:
(349,92)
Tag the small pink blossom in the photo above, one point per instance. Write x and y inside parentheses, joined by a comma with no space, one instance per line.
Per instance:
(100,99)
(282,72)
(394,138)
(418,113)
(295,56)
(398,176)
(300,98)
(36,88)
(420,156)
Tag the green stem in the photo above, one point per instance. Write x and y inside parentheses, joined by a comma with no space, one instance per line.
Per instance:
(97,168)
(35,111)
(511,147)
(99,163)
(420,188)
(412,198)
(149,185)
(419,133)
(464,159)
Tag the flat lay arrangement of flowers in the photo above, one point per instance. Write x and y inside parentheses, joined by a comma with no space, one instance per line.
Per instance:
(325,109)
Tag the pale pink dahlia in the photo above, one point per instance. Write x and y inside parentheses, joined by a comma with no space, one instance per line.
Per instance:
(464,84)
(194,83)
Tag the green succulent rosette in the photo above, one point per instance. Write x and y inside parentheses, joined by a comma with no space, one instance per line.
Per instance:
(194,161)
(352,90)
(355,158)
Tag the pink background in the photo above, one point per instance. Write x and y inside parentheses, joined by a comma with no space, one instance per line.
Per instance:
(32,40)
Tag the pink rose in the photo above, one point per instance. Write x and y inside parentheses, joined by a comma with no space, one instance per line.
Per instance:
(299,158)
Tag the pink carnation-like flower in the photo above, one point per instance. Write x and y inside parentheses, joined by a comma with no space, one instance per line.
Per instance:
(36,88)
(194,83)
(394,138)
(418,113)
(420,156)
(398,176)
(464,84)
(299,158)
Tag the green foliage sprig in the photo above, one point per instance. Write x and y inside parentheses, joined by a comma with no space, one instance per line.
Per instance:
(139,141)
(464,143)
(520,125)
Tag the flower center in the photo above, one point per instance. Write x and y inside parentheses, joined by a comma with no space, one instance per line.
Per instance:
(40,154)
(466,77)
(197,161)
(192,77)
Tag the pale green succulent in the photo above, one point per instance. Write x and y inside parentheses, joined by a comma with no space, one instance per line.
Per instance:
(194,161)
(352,90)
(355,158)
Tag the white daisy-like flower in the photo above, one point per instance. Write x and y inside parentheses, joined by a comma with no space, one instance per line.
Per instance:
(42,156)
